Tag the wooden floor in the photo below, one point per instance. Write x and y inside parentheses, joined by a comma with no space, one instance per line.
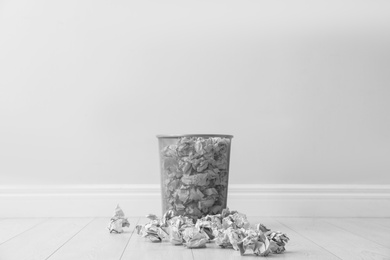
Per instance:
(88,238)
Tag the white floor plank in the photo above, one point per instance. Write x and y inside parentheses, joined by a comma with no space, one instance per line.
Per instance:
(76,239)
(42,240)
(96,242)
(298,247)
(364,228)
(380,221)
(10,228)
(158,255)
(142,248)
(212,251)
(339,242)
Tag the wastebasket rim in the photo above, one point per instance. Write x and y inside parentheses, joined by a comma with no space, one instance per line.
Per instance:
(193,135)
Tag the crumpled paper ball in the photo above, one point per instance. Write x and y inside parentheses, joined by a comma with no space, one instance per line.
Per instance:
(118,221)
(230,229)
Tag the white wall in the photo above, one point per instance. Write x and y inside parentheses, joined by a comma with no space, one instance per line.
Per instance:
(304,86)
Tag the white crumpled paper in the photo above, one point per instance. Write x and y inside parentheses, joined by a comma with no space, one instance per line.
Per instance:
(118,221)
(230,229)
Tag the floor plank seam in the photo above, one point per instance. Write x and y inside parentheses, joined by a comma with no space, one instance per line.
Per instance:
(69,239)
(25,231)
(309,239)
(192,253)
(353,233)
(128,241)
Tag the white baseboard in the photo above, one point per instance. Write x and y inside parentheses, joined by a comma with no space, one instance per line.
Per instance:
(253,200)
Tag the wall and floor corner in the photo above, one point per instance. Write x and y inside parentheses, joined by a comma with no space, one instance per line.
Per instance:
(286,200)
(303,86)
